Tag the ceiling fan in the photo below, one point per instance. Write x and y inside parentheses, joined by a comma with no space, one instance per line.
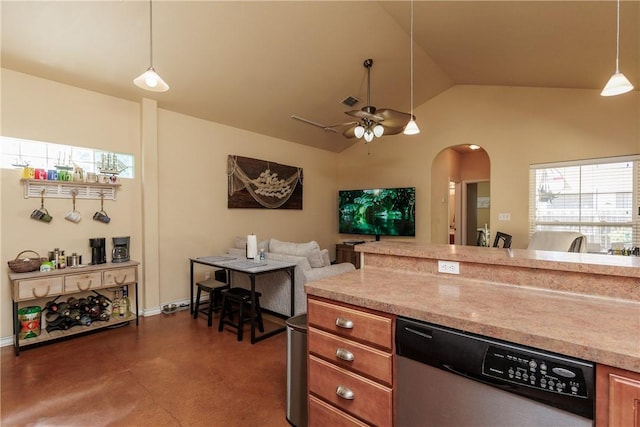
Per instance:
(372,122)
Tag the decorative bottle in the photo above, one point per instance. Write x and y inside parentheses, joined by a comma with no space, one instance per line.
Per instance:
(115,305)
(125,304)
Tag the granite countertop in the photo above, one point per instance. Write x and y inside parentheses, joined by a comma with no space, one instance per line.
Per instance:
(598,329)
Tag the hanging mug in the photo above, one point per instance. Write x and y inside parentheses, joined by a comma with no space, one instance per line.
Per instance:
(41,214)
(102,217)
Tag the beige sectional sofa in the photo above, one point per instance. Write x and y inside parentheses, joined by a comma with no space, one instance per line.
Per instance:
(312,263)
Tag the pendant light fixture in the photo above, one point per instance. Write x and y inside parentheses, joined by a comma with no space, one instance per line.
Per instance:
(150,80)
(618,83)
(412,127)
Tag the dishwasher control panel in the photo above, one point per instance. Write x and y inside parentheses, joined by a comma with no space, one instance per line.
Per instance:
(537,371)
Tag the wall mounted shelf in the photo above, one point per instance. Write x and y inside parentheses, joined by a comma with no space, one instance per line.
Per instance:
(63,189)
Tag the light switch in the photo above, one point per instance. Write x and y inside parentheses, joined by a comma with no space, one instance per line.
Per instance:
(504,216)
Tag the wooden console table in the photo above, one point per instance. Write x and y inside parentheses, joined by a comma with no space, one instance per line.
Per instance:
(35,288)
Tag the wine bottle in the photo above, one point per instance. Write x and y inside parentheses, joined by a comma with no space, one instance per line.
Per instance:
(94,312)
(64,309)
(103,302)
(83,305)
(85,319)
(125,304)
(51,306)
(104,315)
(74,314)
(115,305)
(73,302)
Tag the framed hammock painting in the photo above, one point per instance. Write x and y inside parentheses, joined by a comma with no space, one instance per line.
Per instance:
(257,183)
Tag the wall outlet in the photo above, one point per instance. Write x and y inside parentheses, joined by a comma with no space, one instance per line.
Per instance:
(207,275)
(449,267)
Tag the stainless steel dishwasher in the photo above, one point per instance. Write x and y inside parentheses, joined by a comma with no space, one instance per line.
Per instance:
(447,377)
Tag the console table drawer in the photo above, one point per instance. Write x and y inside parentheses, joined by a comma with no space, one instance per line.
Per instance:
(82,282)
(37,288)
(118,277)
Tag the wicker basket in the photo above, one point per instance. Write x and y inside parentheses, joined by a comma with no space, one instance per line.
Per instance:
(25,265)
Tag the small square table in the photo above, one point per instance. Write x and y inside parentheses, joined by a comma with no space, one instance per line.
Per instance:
(252,269)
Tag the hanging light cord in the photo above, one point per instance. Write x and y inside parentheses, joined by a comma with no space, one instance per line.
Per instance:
(618,37)
(151,33)
(411,59)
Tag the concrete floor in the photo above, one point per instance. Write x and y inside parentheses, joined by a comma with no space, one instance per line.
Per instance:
(171,370)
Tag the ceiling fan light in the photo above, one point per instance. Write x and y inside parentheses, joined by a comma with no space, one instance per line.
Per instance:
(617,85)
(411,128)
(358,131)
(378,131)
(150,80)
(368,135)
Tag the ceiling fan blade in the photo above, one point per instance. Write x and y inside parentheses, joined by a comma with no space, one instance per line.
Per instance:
(349,132)
(312,123)
(391,130)
(393,118)
(366,115)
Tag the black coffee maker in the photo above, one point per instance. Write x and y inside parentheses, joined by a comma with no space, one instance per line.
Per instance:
(120,252)
(98,250)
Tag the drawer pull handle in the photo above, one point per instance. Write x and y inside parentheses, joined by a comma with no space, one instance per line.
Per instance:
(344,354)
(124,279)
(345,392)
(33,291)
(85,289)
(344,323)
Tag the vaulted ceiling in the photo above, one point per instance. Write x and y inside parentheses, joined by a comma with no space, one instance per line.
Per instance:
(253,64)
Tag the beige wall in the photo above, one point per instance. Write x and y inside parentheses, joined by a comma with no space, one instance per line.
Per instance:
(193,215)
(516,126)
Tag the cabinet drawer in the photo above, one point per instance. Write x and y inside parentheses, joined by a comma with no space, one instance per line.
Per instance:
(321,414)
(118,277)
(371,401)
(38,288)
(367,361)
(355,324)
(82,282)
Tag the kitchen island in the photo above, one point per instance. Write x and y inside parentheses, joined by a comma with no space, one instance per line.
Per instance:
(581,305)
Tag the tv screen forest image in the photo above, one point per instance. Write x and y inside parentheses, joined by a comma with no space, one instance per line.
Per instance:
(380,212)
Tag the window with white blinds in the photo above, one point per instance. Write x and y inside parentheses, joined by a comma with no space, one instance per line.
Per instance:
(597,198)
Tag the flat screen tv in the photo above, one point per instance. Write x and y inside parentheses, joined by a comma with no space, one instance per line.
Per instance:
(378,212)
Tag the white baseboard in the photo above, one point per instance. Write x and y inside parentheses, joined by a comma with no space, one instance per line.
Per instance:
(147,312)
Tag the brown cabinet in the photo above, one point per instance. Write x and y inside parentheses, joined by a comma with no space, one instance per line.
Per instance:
(350,364)
(346,253)
(617,397)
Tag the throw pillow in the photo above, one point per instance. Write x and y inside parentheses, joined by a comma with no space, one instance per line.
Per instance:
(326,261)
(290,248)
(309,250)
(315,258)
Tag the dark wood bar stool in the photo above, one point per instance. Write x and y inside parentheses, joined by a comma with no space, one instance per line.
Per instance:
(238,300)
(214,288)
